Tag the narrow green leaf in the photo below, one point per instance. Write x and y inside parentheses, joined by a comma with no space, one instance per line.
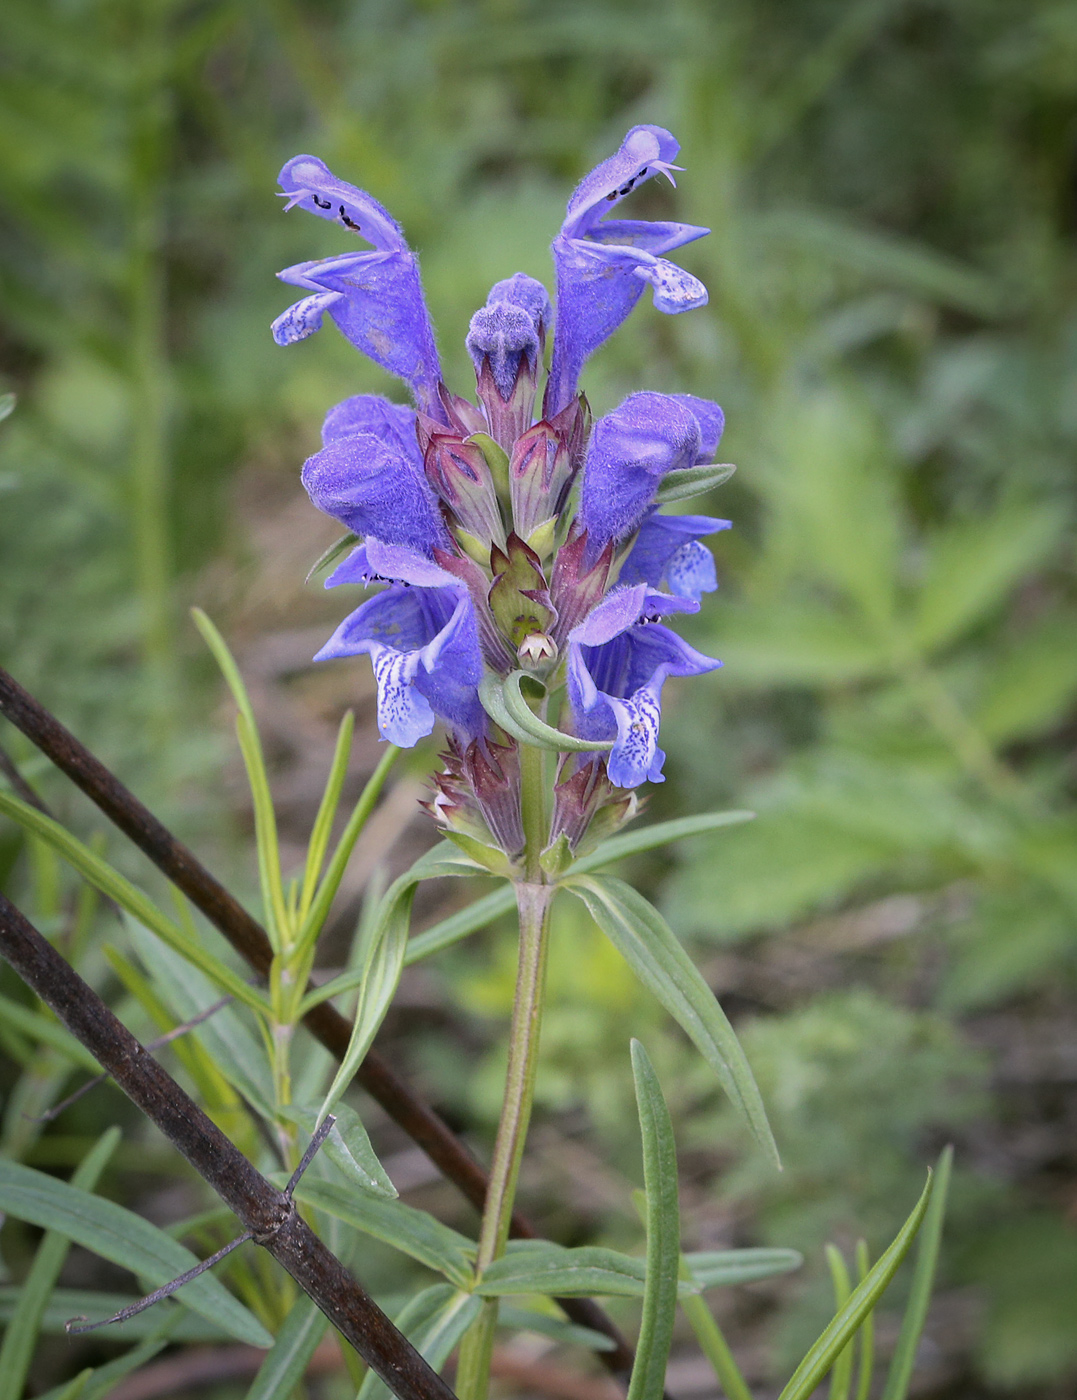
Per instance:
(233,1050)
(265,818)
(433,1321)
(66,1303)
(842,1375)
(327,810)
(412,1231)
(214,1089)
(552,1324)
(335,550)
(348,1148)
(724,1267)
(630,843)
(651,948)
(506,706)
(20,1336)
(663,1232)
(126,1239)
(693,481)
(111,883)
(381,963)
(927,1258)
(715,1348)
(318,911)
(46,1030)
(98,1383)
(457,926)
(539,1266)
(866,1359)
(831,1341)
(286,1361)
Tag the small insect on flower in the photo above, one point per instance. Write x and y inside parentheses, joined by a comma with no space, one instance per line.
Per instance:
(520,554)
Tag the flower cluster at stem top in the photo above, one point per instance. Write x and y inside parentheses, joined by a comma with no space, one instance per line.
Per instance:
(508,541)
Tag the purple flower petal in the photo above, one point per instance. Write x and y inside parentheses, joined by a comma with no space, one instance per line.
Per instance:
(373,490)
(602,264)
(667,554)
(393,423)
(631,449)
(378,302)
(423,644)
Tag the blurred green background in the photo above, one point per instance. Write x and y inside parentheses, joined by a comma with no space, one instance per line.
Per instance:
(892,188)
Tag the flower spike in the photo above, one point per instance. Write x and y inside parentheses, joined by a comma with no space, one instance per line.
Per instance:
(502,545)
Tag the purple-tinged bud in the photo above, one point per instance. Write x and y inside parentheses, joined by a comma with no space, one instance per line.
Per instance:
(504,346)
(458,472)
(531,295)
(587,803)
(493,774)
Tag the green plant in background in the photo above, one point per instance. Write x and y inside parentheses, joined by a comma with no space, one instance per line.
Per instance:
(887,183)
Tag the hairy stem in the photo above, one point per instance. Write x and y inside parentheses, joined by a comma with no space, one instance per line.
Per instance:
(533,902)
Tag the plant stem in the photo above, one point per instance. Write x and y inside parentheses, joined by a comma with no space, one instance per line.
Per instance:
(533,902)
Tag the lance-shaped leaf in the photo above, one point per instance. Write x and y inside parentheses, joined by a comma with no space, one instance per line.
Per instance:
(663,1232)
(413,1232)
(720,1268)
(434,1321)
(111,883)
(683,484)
(379,964)
(833,1339)
(126,1239)
(448,931)
(286,1361)
(927,1257)
(347,1147)
(20,1336)
(651,948)
(631,843)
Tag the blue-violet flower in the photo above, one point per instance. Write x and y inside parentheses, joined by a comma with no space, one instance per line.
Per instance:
(504,543)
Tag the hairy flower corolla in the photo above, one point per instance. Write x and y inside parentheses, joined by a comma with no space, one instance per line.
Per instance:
(514,546)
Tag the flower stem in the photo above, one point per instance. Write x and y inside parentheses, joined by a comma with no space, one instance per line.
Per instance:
(533,903)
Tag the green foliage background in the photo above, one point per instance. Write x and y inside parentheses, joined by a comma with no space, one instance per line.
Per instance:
(890,185)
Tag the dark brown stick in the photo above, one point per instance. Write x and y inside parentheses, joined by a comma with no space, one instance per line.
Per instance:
(247,936)
(266,1212)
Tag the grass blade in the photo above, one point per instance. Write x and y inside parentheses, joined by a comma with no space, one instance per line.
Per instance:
(265,818)
(20,1336)
(663,1232)
(842,1375)
(864,1297)
(715,1348)
(866,1362)
(286,1360)
(927,1257)
(126,1239)
(327,890)
(111,883)
(327,810)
